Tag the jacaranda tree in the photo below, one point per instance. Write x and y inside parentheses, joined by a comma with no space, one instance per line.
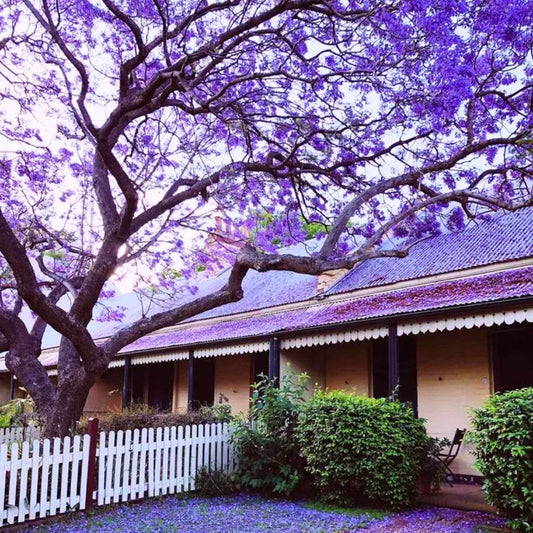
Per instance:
(125,123)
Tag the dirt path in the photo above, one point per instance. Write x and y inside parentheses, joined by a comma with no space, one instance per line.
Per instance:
(438,520)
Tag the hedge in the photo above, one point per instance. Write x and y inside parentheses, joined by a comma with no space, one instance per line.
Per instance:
(360,448)
(503,438)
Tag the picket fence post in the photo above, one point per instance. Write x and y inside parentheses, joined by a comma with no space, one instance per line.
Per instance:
(92,430)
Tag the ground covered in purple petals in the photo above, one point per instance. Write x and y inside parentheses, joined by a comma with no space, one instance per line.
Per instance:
(246,514)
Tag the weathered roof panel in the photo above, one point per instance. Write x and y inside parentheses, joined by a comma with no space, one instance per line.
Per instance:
(505,238)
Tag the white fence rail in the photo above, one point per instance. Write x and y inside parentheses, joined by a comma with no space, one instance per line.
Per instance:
(51,477)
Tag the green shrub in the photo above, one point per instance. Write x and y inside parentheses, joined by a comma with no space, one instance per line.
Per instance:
(215,483)
(361,449)
(269,458)
(430,464)
(5,421)
(503,435)
(17,412)
(219,412)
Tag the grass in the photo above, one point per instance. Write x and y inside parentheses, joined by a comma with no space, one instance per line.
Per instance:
(376,514)
(490,529)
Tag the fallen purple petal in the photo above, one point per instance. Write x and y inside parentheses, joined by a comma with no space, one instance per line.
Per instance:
(248,514)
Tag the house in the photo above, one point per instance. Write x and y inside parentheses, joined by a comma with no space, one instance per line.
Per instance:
(451,323)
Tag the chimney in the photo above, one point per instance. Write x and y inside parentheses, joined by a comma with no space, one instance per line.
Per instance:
(328,278)
(225,241)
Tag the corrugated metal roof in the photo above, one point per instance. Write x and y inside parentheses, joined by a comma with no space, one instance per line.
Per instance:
(441,295)
(267,289)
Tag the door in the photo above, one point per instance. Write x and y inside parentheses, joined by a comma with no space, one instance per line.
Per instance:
(407,370)
(204,381)
(160,384)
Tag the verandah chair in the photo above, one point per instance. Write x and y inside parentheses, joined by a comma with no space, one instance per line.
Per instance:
(447,457)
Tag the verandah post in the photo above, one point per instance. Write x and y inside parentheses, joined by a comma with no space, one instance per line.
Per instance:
(274,361)
(394,374)
(126,383)
(92,430)
(191,393)
(12,387)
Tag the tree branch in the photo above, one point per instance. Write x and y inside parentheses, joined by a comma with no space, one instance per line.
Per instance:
(231,292)
(29,290)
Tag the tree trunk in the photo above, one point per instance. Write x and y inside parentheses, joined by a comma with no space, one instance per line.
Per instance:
(74,383)
(59,407)
(62,417)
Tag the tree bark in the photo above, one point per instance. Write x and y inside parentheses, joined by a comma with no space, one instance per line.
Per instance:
(61,418)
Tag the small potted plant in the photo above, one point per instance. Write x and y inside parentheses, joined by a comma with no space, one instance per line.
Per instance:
(432,470)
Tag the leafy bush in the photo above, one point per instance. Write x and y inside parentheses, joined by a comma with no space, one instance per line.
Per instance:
(430,464)
(269,458)
(360,448)
(17,412)
(219,412)
(215,483)
(503,435)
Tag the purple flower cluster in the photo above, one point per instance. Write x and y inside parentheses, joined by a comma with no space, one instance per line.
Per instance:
(245,514)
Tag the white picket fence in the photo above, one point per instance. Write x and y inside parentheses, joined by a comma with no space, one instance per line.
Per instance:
(47,478)
(42,479)
(158,462)
(20,434)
